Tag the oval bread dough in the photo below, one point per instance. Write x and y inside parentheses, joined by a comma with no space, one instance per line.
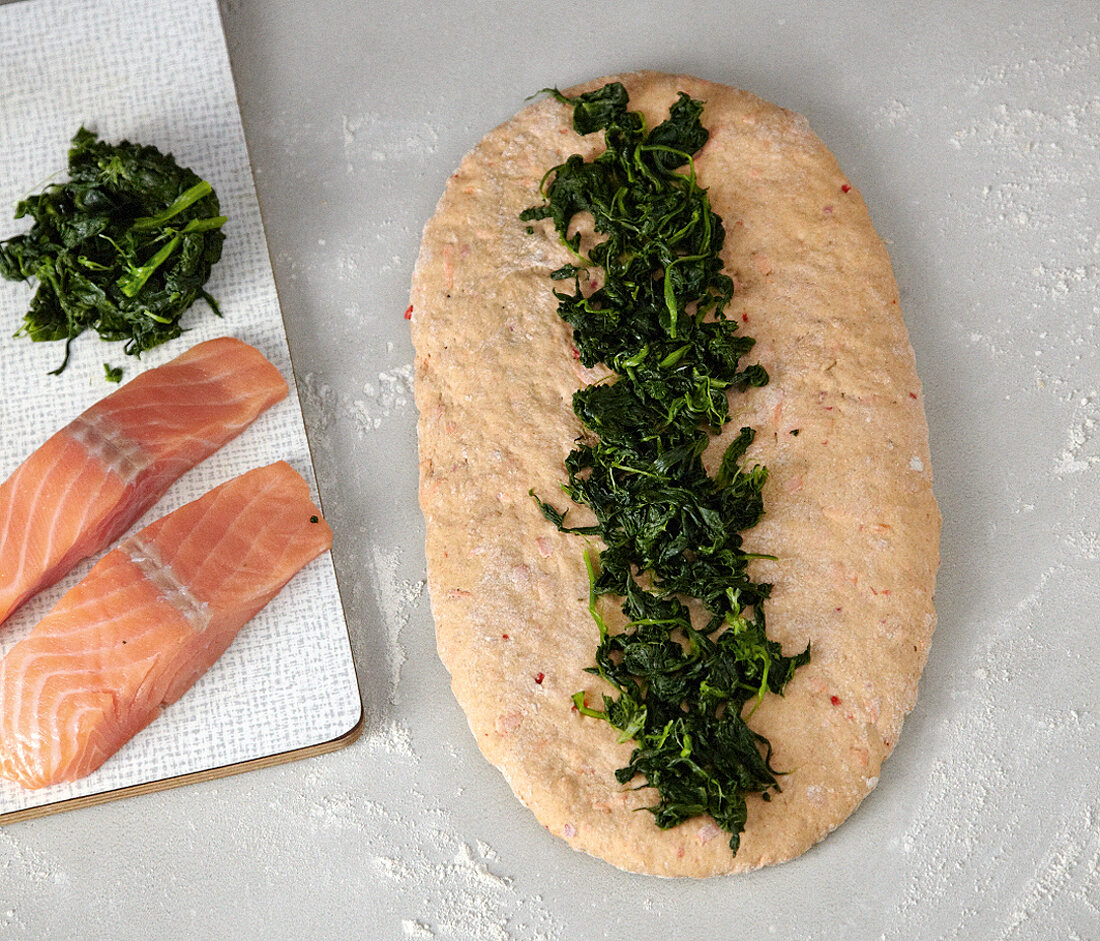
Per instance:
(849,510)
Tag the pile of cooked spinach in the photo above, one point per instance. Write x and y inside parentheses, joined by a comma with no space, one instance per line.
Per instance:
(672,532)
(124,247)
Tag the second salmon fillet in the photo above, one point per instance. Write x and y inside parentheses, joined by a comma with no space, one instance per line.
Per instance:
(147,621)
(88,483)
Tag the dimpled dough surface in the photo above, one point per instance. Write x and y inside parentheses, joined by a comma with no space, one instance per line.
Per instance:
(849,510)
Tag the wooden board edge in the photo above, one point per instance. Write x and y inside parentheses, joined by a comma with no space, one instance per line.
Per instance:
(192,777)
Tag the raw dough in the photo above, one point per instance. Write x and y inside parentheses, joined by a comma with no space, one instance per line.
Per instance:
(849,509)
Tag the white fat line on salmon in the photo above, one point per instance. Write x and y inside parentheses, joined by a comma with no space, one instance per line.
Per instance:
(104,441)
(160,575)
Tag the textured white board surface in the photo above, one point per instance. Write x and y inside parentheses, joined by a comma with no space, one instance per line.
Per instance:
(160,75)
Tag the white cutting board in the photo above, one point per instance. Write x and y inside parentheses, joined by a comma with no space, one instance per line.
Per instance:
(157,72)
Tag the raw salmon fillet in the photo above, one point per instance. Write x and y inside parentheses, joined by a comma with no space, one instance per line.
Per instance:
(147,621)
(87,484)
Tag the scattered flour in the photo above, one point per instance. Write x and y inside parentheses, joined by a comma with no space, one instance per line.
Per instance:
(391,393)
(1082,449)
(1025,128)
(396,599)
(473,900)
(1001,844)
(453,888)
(390,738)
(1066,880)
(894,114)
(18,863)
(379,139)
(364,798)
(1084,544)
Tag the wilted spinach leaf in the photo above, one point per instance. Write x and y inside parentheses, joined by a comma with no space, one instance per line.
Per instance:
(124,247)
(672,531)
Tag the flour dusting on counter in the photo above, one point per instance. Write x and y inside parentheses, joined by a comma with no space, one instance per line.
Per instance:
(1082,449)
(22,864)
(452,887)
(388,395)
(379,138)
(391,393)
(477,902)
(960,826)
(397,599)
